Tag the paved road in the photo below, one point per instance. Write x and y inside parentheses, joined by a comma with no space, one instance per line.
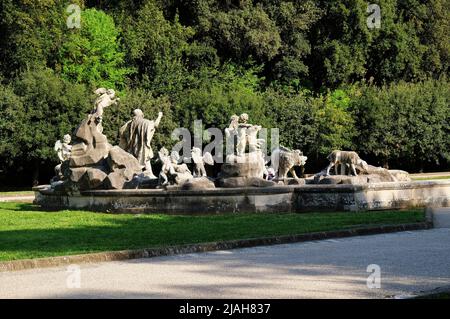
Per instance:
(409,261)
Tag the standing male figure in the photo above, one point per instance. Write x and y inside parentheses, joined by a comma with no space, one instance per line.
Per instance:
(136,136)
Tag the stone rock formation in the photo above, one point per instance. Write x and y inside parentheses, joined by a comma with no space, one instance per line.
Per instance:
(93,163)
(371,174)
(198,183)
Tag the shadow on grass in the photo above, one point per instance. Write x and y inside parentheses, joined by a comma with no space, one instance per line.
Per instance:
(24,207)
(28,232)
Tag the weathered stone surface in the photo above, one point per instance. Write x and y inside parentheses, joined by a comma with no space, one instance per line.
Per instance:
(92,145)
(198,183)
(231,182)
(384,174)
(143,181)
(115,180)
(400,176)
(81,158)
(328,180)
(118,159)
(247,165)
(77,173)
(266,199)
(289,181)
(372,174)
(95,177)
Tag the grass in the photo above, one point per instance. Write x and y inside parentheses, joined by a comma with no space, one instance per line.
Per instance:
(26,232)
(429,178)
(443,295)
(17,193)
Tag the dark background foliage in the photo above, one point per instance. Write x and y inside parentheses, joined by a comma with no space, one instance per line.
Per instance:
(311,68)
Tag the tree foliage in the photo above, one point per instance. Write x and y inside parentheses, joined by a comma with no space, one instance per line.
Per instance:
(91,54)
(312,68)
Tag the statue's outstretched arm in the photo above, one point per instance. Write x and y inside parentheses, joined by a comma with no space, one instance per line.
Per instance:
(160,114)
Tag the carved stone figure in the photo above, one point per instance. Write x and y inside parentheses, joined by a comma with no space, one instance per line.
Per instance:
(269,173)
(283,160)
(242,138)
(106,97)
(254,143)
(171,171)
(345,158)
(136,136)
(63,150)
(91,145)
(231,134)
(200,160)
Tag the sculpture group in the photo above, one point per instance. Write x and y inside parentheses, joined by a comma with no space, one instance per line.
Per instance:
(92,163)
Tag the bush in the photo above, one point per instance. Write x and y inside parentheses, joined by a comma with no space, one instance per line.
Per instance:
(38,109)
(314,124)
(405,125)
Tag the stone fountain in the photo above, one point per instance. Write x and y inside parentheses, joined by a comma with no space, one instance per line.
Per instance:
(95,175)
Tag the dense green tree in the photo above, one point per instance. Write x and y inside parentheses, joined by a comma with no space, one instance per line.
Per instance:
(91,54)
(10,106)
(411,43)
(156,47)
(219,94)
(405,124)
(293,65)
(47,108)
(316,125)
(31,33)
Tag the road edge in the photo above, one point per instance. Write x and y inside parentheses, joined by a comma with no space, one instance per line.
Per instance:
(24,264)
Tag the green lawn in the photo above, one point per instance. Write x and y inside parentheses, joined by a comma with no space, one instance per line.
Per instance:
(429,178)
(17,193)
(26,232)
(443,295)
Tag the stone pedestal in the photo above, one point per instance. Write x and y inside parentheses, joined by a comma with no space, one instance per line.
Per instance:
(244,171)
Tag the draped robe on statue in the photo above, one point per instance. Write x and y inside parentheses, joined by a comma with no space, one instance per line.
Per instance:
(136,136)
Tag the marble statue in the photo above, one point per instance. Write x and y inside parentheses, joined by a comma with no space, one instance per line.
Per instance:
(345,158)
(172,172)
(106,97)
(254,143)
(200,161)
(283,160)
(242,137)
(245,166)
(63,150)
(231,134)
(136,136)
